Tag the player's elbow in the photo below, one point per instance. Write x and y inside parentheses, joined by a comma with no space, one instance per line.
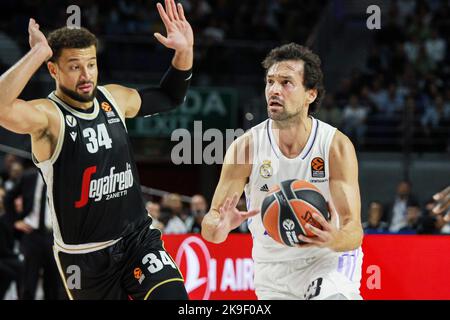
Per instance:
(358,237)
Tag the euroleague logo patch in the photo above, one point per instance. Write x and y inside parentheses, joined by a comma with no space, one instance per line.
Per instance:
(106,107)
(318,168)
(138,275)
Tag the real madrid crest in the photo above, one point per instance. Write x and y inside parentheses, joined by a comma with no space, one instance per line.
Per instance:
(266,170)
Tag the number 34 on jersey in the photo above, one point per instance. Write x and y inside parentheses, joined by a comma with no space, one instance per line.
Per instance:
(97,138)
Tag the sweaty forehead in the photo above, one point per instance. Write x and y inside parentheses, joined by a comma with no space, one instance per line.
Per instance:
(83,54)
(290,68)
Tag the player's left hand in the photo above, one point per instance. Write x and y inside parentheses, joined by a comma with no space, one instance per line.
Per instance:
(325,238)
(179,32)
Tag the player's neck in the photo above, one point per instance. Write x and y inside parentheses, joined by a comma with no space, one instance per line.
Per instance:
(292,138)
(72,102)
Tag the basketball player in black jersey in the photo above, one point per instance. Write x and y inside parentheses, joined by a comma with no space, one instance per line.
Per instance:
(104,245)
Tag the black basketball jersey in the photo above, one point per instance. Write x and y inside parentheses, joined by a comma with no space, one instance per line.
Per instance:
(93,185)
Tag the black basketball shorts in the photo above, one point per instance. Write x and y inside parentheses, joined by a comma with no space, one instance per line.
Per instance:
(136,268)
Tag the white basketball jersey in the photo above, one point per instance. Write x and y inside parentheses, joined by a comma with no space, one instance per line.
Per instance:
(271,167)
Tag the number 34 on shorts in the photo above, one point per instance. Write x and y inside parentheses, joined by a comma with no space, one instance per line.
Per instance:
(155,264)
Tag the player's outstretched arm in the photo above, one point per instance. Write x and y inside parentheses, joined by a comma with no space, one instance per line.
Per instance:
(17,115)
(173,87)
(223,215)
(346,201)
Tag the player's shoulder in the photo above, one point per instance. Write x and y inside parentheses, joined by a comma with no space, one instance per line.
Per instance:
(341,145)
(43,104)
(242,143)
(128,99)
(117,90)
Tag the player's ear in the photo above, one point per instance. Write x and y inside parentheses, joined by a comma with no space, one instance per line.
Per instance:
(52,69)
(311,95)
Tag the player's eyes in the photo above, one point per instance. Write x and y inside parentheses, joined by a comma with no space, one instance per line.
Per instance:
(74,67)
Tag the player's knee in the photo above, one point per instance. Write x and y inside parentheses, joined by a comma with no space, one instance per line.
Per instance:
(174,290)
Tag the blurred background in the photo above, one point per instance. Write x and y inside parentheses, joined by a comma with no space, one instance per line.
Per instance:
(387,89)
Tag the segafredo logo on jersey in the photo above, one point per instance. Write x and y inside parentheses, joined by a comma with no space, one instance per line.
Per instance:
(201,271)
(108,187)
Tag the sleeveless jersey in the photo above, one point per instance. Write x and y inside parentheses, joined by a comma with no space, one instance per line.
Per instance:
(271,167)
(93,186)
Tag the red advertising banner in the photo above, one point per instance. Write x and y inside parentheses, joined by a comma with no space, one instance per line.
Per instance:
(214,271)
(394,267)
(408,267)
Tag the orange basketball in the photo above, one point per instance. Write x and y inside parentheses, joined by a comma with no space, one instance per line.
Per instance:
(288,207)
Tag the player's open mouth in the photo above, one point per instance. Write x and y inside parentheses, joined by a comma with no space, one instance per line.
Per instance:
(275,105)
(85,88)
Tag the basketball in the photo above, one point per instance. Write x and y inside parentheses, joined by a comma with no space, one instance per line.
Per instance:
(288,207)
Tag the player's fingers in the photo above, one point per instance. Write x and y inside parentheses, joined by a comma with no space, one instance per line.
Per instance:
(181,11)
(308,242)
(162,13)
(305,239)
(442,193)
(169,9)
(161,38)
(320,219)
(447,217)
(250,213)
(442,205)
(321,234)
(174,10)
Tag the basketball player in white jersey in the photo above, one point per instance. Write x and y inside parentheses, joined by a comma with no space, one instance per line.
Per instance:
(291,144)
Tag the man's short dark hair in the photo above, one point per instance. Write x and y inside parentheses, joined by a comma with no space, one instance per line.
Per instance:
(69,38)
(312,75)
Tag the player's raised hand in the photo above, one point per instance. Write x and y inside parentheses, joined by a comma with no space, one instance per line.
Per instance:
(442,203)
(230,216)
(37,38)
(179,32)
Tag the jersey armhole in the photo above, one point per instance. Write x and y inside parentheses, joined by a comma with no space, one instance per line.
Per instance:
(60,140)
(328,144)
(254,150)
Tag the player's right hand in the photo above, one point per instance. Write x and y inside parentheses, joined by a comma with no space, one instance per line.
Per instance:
(230,216)
(37,38)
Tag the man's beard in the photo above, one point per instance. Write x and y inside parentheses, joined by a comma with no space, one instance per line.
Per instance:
(78,97)
(282,116)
